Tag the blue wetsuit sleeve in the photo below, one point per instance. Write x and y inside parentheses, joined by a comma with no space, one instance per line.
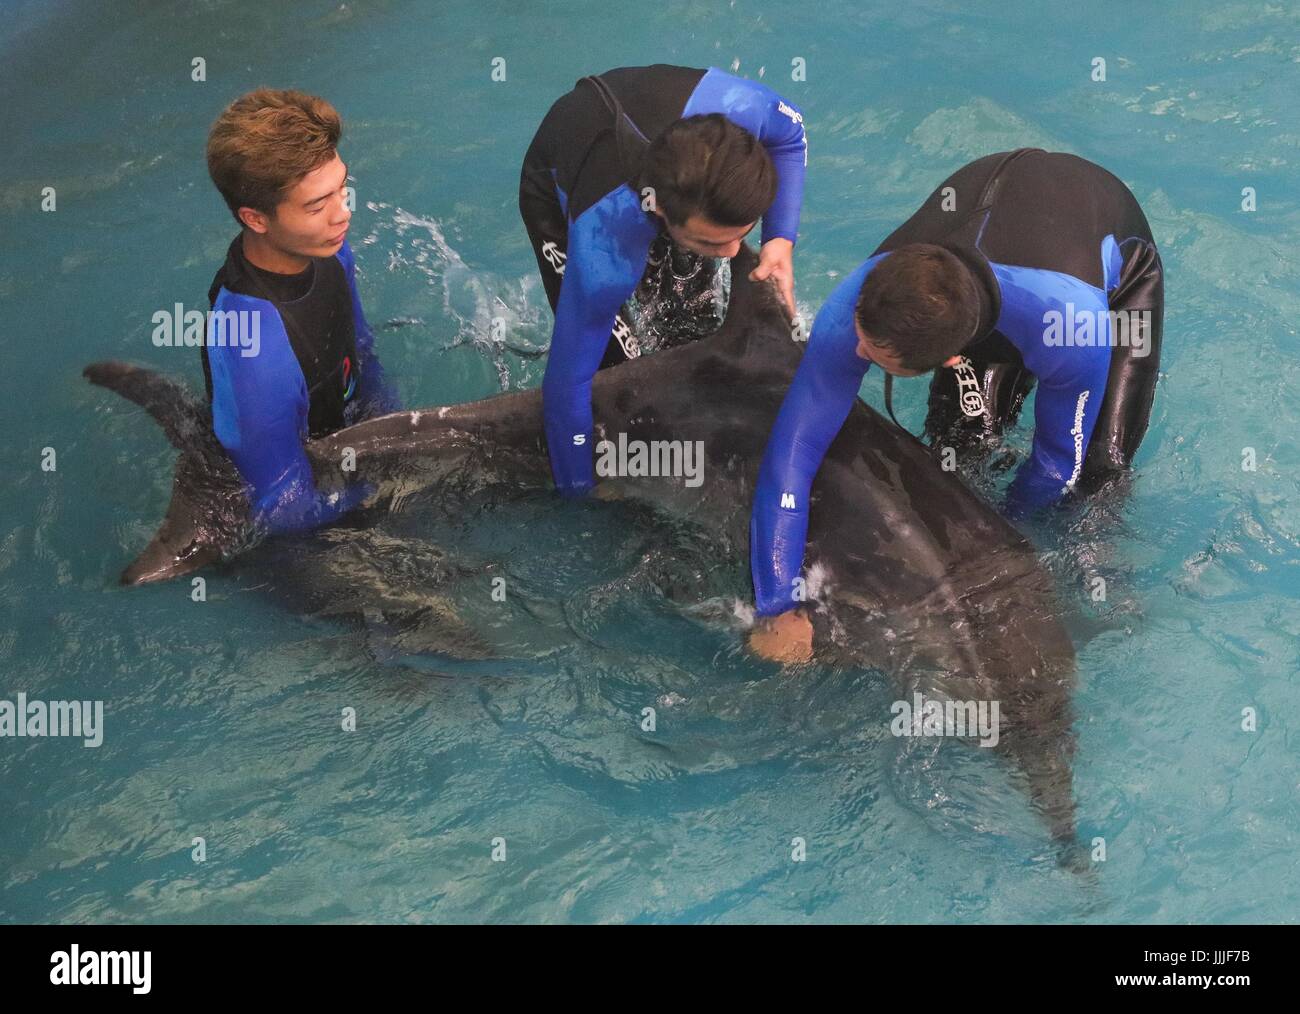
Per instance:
(259,415)
(376,395)
(1064,416)
(1071,386)
(820,398)
(606,256)
(778,125)
(786,142)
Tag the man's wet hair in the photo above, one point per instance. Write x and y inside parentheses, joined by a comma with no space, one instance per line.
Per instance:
(708,166)
(920,303)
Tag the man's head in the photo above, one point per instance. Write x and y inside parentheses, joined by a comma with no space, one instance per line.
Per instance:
(273,155)
(712,181)
(917,310)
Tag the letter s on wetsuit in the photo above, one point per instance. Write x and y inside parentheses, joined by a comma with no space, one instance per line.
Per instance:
(1042,233)
(590,234)
(314,372)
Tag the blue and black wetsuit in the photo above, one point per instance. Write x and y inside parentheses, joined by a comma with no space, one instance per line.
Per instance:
(315,372)
(591,236)
(1049,238)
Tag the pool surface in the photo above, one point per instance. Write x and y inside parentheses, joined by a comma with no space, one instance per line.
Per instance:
(223,719)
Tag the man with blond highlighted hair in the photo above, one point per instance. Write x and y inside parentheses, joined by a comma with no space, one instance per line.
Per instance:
(273,155)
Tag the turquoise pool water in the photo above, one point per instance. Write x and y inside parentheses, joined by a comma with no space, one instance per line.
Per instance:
(222,718)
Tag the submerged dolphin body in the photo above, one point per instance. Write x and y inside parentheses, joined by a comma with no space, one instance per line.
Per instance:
(915,574)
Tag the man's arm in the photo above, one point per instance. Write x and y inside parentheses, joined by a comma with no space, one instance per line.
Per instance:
(1064,417)
(783,135)
(1071,378)
(778,125)
(606,258)
(820,397)
(259,414)
(376,395)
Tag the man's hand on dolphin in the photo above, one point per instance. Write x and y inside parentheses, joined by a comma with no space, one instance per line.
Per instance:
(784,638)
(776,261)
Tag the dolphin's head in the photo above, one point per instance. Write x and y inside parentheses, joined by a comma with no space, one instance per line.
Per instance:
(758,321)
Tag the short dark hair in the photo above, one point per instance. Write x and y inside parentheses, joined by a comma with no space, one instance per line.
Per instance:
(706,165)
(264,142)
(919,302)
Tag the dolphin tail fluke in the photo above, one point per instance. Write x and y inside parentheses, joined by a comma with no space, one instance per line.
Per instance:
(208,508)
(179,546)
(158,563)
(183,418)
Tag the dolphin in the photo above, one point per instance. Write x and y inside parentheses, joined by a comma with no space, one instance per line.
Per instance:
(909,570)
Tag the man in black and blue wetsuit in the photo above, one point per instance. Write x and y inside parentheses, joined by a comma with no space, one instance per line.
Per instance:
(273,156)
(1021,266)
(627,156)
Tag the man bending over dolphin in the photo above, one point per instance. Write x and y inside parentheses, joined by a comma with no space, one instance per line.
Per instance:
(627,156)
(273,156)
(1023,265)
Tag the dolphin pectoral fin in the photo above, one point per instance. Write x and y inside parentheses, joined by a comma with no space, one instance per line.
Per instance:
(388,585)
(436,629)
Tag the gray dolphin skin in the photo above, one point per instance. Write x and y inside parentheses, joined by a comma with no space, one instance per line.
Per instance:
(915,574)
